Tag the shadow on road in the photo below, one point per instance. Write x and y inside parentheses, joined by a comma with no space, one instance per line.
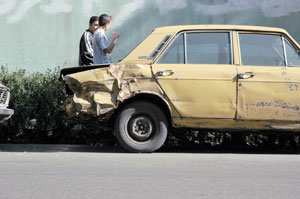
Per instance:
(46,148)
(230,149)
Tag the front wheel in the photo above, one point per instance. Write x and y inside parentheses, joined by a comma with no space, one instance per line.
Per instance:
(141,127)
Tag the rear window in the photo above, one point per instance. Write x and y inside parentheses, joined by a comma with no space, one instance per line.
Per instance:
(261,50)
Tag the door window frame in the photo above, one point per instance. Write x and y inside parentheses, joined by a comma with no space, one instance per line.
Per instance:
(184,33)
(283,38)
(292,45)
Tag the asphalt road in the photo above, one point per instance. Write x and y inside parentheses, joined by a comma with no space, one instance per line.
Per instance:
(67,172)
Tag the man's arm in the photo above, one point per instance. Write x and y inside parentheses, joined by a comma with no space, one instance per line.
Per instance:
(112,45)
(88,43)
(85,50)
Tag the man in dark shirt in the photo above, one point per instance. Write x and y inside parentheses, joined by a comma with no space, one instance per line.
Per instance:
(86,52)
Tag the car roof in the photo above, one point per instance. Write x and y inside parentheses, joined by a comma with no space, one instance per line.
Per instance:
(175,29)
(142,52)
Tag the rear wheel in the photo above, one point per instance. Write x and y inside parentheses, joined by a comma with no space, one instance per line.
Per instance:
(141,127)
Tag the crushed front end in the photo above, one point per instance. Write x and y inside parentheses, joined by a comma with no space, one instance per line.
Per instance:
(98,91)
(92,92)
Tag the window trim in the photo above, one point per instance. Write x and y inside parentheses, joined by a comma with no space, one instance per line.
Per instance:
(167,48)
(286,40)
(262,33)
(184,44)
(184,48)
(284,51)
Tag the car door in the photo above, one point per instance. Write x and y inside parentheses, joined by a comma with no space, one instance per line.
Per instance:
(267,88)
(197,74)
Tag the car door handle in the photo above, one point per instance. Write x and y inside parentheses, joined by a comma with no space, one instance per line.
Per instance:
(246,75)
(165,73)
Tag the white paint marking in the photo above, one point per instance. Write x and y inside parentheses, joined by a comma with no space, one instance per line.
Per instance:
(270,8)
(22,10)
(166,6)
(6,6)
(126,11)
(57,6)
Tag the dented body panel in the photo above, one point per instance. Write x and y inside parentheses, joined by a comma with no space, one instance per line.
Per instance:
(227,96)
(272,95)
(100,91)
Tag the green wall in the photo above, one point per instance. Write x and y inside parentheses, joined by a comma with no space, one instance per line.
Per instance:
(41,34)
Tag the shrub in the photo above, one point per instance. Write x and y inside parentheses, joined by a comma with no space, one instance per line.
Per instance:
(40,115)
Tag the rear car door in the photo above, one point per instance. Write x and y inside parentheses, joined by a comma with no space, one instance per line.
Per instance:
(268,89)
(197,74)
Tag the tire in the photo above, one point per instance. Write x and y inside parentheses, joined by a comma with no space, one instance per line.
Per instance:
(141,127)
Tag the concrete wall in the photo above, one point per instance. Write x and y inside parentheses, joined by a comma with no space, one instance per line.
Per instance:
(41,34)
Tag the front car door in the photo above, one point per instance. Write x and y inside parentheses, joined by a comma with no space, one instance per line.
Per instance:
(268,86)
(197,74)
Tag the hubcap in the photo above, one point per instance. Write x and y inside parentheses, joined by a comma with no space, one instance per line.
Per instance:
(140,128)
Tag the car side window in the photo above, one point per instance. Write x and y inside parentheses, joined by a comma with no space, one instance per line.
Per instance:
(261,50)
(174,53)
(208,48)
(292,54)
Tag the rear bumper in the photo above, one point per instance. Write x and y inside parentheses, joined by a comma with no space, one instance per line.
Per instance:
(5,114)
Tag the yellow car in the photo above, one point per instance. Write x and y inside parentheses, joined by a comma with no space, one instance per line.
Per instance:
(200,76)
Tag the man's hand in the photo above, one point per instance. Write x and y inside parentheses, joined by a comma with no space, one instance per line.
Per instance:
(116,35)
(114,41)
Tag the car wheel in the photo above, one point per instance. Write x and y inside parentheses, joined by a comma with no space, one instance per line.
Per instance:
(141,127)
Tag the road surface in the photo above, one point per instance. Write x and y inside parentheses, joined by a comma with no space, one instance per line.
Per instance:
(71,172)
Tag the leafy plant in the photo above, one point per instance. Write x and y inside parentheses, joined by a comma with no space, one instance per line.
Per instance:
(40,115)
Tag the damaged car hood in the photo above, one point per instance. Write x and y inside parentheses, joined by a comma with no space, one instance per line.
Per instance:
(99,91)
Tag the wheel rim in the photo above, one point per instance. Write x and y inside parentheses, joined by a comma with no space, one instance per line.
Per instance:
(140,128)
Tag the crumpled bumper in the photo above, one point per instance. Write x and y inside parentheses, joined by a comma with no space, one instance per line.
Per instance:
(5,114)
(98,92)
(95,92)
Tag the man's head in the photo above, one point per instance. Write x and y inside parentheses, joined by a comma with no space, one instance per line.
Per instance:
(94,24)
(104,21)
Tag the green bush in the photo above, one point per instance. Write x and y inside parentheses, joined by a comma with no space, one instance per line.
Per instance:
(40,115)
